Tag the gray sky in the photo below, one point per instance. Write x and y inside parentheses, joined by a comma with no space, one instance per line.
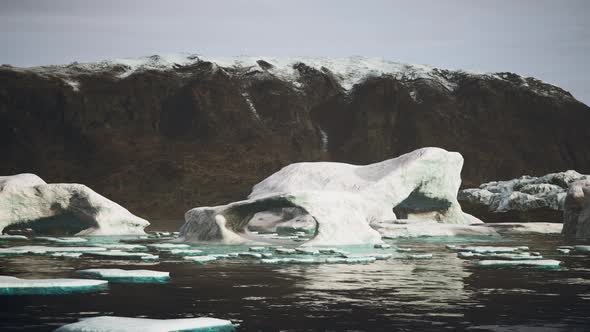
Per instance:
(546,39)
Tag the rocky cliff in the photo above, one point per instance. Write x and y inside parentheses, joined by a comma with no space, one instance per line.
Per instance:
(163,134)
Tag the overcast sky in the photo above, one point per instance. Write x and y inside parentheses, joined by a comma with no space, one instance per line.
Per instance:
(543,38)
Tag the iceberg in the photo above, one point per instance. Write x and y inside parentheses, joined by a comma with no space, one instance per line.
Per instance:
(343,199)
(18,286)
(128,324)
(28,201)
(543,263)
(127,276)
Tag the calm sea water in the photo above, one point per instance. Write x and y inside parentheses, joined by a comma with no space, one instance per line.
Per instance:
(444,293)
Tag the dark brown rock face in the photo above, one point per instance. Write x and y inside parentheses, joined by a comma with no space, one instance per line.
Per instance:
(161,141)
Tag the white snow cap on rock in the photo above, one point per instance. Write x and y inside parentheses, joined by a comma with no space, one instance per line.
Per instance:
(26,199)
(344,199)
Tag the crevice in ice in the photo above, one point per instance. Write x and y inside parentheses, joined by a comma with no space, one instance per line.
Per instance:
(419,206)
(61,224)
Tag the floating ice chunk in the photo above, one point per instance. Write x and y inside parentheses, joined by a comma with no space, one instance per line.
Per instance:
(67,254)
(563,251)
(307,251)
(382,257)
(127,324)
(289,261)
(61,239)
(257,249)
(17,286)
(382,246)
(544,263)
(502,256)
(40,250)
(487,249)
(285,251)
(249,254)
(12,237)
(403,249)
(168,246)
(132,276)
(186,252)
(351,260)
(122,246)
(418,256)
(328,251)
(201,259)
(566,247)
(582,248)
(119,254)
(266,254)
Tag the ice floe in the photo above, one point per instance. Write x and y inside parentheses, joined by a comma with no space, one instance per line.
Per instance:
(61,239)
(499,256)
(544,263)
(120,254)
(4,237)
(168,246)
(128,324)
(202,258)
(487,249)
(186,252)
(132,276)
(40,250)
(18,286)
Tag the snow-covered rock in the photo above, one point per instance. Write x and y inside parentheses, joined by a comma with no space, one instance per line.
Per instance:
(576,217)
(27,201)
(343,199)
(527,198)
(17,286)
(128,324)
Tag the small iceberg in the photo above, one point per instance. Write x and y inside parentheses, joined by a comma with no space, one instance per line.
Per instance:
(285,251)
(289,261)
(501,256)
(130,276)
(119,254)
(40,250)
(5,237)
(186,252)
(418,256)
(487,249)
(122,246)
(543,263)
(61,239)
(168,246)
(128,324)
(563,251)
(17,286)
(201,259)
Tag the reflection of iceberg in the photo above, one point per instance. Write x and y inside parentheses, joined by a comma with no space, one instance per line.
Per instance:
(61,208)
(131,276)
(17,286)
(127,324)
(343,199)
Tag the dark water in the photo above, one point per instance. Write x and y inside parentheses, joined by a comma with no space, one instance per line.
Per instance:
(444,293)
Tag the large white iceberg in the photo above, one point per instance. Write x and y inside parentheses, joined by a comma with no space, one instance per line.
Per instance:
(17,286)
(129,324)
(343,199)
(27,201)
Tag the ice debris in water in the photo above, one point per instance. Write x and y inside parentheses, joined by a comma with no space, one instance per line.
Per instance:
(307,251)
(418,256)
(563,251)
(119,254)
(582,249)
(12,237)
(543,263)
(249,254)
(285,251)
(40,250)
(257,249)
(132,276)
(403,249)
(350,260)
(128,324)
(499,256)
(168,246)
(486,249)
(61,239)
(66,254)
(122,246)
(201,259)
(17,286)
(382,246)
(288,261)
(186,252)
